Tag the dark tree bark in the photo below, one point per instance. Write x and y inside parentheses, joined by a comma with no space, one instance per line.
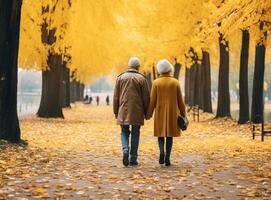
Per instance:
(194,90)
(154,74)
(177,69)
(192,84)
(187,85)
(258,82)
(206,79)
(81,92)
(148,77)
(10,17)
(73,87)
(78,88)
(223,105)
(77,91)
(51,97)
(66,86)
(200,86)
(52,93)
(72,91)
(197,85)
(243,80)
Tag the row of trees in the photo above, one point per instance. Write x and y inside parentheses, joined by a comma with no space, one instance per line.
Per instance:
(229,18)
(57,90)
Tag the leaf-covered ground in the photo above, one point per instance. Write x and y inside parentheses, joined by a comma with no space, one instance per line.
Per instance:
(80,158)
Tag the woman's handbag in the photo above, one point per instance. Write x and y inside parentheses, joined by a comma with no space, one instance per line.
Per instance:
(182,122)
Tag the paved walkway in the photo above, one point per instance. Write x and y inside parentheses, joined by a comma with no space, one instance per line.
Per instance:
(80,158)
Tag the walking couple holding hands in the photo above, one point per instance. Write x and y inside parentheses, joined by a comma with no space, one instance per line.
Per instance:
(133,103)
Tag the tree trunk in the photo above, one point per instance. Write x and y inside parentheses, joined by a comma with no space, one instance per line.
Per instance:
(192,84)
(197,85)
(81,92)
(187,85)
(154,72)
(243,80)
(200,86)
(73,87)
(206,77)
(72,91)
(66,86)
(223,104)
(77,91)
(148,77)
(258,82)
(51,97)
(10,16)
(52,86)
(177,69)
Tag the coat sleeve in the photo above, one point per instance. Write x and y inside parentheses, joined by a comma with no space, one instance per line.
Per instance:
(181,104)
(153,101)
(116,98)
(145,96)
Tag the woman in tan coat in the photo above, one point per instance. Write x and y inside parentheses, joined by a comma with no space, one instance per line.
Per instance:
(167,101)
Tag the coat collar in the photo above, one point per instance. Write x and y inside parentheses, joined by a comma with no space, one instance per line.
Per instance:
(165,75)
(132,70)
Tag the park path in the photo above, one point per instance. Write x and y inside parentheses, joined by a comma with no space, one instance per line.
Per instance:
(80,158)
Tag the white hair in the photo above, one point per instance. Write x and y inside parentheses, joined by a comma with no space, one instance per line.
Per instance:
(134,62)
(164,66)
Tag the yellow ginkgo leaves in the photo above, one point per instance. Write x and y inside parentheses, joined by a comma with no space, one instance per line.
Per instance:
(100,36)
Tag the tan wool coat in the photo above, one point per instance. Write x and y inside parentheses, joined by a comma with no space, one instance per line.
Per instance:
(167,102)
(131,98)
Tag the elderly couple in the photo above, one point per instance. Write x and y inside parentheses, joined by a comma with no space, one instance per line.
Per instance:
(133,103)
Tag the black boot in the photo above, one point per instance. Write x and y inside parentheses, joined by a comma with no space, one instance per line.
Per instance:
(167,161)
(161,142)
(133,163)
(125,160)
(169,143)
(162,158)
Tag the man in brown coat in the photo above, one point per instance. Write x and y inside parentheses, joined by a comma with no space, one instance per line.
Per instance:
(130,104)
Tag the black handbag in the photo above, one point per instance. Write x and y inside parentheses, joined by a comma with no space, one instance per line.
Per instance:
(182,122)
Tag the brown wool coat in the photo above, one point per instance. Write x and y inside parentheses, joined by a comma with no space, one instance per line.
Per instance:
(167,101)
(131,98)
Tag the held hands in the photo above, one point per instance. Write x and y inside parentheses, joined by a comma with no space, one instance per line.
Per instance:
(148,117)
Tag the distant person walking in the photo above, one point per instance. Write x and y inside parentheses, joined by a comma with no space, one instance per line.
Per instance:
(107,100)
(130,103)
(98,100)
(86,100)
(90,100)
(167,101)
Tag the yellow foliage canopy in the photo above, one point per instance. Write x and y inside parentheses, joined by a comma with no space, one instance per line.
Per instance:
(101,35)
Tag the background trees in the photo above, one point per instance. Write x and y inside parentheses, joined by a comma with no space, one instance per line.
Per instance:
(243,79)
(154,31)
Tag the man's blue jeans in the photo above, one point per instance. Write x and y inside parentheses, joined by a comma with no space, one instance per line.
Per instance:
(135,134)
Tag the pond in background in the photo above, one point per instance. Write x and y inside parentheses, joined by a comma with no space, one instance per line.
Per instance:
(28,103)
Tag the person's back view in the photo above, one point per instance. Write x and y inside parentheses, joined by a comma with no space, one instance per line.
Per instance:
(167,101)
(107,100)
(130,103)
(98,100)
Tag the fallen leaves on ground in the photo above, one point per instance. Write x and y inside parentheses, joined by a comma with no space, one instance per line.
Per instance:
(80,157)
